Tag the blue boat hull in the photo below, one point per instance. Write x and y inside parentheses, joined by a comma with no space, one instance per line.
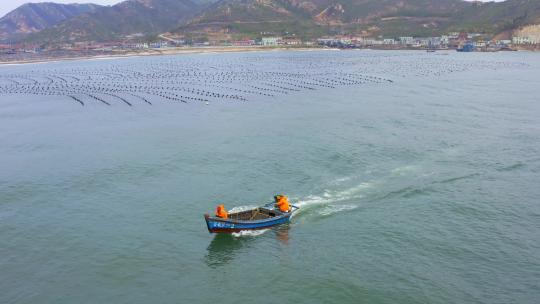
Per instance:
(219,225)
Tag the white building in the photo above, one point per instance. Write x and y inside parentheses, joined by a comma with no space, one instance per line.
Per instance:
(527,35)
(271,41)
(406,40)
(520,40)
(421,42)
(345,41)
(445,39)
(526,40)
(371,41)
(480,44)
(435,41)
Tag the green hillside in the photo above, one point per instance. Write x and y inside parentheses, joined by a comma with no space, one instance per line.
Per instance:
(366,17)
(304,18)
(34,17)
(128,17)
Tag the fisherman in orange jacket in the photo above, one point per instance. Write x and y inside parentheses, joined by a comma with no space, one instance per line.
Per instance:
(282,202)
(221,212)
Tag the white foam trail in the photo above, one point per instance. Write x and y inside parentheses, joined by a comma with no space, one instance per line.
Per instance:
(341,180)
(404,170)
(336,208)
(251,233)
(331,200)
(331,196)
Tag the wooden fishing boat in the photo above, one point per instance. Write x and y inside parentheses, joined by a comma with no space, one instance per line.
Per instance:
(257,218)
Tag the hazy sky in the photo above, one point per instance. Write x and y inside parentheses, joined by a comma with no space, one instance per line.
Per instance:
(8,5)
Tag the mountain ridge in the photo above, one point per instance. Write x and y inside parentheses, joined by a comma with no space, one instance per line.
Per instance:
(125,18)
(367,17)
(34,17)
(303,18)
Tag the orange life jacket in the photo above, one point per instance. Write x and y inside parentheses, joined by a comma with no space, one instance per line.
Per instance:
(283,204)
(221,212)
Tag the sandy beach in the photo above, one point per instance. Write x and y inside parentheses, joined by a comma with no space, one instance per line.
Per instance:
(160,52)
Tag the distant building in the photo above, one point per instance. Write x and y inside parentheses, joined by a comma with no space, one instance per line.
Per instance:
(358,41)
(527,35)
(245,42)
(421,42)
(291,41)
(345,41)
(178,42)
(520,40)
(271,41)
(136,45)
(480,44)
(503,42)
(372,41)
(159,45)
(406,40)
(7,49)
(445,39)
(435,42)
(325,41)
(389,41)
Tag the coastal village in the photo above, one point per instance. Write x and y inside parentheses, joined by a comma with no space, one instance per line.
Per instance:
(48,30)
(526,39)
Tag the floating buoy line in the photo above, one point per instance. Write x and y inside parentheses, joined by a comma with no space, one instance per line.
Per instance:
(195,79)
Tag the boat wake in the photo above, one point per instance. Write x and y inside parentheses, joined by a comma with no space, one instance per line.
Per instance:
(347,193)
(329,197)
(246,233)
(337,196)
(329,210)
(249,233)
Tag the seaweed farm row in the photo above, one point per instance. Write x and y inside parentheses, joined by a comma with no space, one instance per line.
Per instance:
(212,78)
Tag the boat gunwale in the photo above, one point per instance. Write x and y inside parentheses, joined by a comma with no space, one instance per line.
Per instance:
(279,215)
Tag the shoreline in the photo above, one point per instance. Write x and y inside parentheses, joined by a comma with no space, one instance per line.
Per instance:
(198,50)
(164,52)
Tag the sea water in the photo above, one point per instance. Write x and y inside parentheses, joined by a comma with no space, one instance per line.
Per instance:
(417,175)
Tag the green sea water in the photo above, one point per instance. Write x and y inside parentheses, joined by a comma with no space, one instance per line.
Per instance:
(417,175)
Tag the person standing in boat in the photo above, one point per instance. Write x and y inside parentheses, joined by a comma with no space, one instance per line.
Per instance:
(282,202)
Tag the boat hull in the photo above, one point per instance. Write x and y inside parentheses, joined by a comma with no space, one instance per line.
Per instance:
(219,225)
